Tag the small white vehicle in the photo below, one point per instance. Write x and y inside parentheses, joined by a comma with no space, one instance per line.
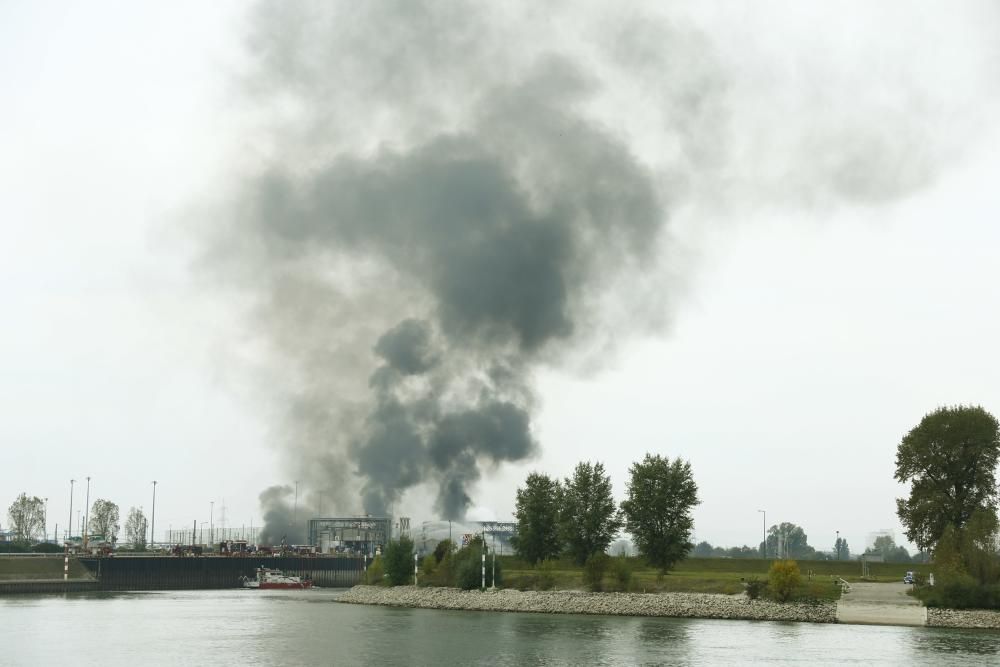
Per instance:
(908,579)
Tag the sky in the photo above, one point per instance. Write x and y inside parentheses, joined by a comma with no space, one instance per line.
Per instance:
(783,258)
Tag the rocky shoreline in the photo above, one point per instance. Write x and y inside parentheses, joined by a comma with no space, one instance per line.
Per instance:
(680,605)
(963,618)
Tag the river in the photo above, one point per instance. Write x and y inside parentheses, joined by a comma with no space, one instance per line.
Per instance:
(236,627)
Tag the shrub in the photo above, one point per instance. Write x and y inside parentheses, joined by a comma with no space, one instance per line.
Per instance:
(960,591)
(399,561)
(428,566)
(783,578)
(443,548)
(375,575)
(545,579)
(594,569)
(468,574)
(755,586)
(622,570)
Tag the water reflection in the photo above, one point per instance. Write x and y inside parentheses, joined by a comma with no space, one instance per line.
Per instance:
(973,642)
(193,626)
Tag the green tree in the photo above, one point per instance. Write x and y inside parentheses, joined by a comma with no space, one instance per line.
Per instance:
(468,567)
(27,516)
(398,561)
(104,520)
(537,514)
(443,548)
(949,459)
(885,546)
(135,529)
(588,519)
(703,550)
(789,541)
(841,550)
(660,496)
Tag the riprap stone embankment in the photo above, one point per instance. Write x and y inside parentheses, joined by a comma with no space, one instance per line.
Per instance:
(963,618)
(682,605)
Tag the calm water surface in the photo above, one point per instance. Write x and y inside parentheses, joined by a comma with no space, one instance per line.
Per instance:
(309,628)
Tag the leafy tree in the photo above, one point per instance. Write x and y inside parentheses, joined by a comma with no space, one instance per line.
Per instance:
(950,459)
(468,566)
(703,550)
(27,516)
(885,546)
(660,496)
(104,520)
(537,514)
(792,539)
(741,552)
(588,519)
(841,550)
(135,529)
(398,561)
(443,548)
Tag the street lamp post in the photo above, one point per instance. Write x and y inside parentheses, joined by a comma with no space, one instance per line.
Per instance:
(837,544)
(152,525)
(70,524)
(86,516)
(765,531)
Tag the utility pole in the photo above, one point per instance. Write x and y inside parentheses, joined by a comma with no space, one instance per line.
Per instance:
(765,531)
(152,525)
(295,507)
(86,516)
(211,521)
(70,524)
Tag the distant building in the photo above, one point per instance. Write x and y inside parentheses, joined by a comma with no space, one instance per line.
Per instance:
(350,535)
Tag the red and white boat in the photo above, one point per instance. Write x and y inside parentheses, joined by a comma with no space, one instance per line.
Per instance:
(269,578)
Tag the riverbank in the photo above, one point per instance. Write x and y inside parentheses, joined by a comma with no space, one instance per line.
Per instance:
(963,618)
(679,605)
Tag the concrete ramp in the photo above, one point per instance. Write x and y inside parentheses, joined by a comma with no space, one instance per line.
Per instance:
(880,604)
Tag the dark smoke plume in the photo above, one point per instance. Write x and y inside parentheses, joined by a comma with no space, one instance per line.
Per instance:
(454,194)
(281,520)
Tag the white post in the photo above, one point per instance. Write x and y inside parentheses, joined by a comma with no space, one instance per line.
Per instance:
(484,571)
(414,569)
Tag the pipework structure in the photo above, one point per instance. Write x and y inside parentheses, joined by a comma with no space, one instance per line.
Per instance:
(358,535)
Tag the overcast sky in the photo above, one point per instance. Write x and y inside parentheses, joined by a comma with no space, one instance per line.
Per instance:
(824,270)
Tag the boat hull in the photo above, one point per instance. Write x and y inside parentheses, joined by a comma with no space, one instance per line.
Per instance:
(285,586)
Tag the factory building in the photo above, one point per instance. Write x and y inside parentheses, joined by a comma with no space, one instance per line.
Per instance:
(366,535)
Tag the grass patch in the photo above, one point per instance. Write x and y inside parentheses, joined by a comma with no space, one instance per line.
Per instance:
(12,569)
(712,575)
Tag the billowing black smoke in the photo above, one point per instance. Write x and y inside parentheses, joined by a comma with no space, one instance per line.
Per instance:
(447,198)
(503,266)
(282,522)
